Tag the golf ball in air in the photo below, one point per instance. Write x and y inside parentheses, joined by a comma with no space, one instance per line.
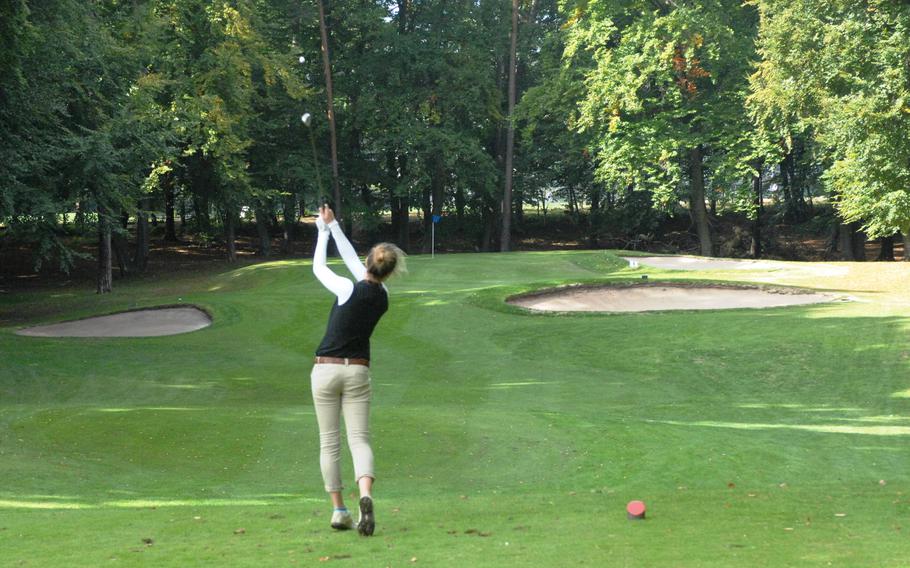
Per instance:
(306,118)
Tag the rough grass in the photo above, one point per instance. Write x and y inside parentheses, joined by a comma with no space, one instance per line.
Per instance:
(757,438)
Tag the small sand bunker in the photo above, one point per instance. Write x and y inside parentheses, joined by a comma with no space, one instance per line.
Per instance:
(659,297)
(138,323)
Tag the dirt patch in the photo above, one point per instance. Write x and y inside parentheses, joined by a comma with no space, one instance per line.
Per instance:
(664,296)
(154,322)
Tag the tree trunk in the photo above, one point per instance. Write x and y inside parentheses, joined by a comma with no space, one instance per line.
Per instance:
(80,217)
(794,202)
(330,108)
(262,230)
(396,204)
(202,219)
(697,201)
(120,245)
(366,199)
(404,207)
(170,233)
(433,201)
(845,241)
(140,259)
(786,188)
(426,207)
(906,235)
(755,247)
(229,233)
(289,222)
(460,204)
(859,242)
(887,251)
(105,276)
(182,216)
(573,204)
(505,240)
(489,227)
(594,219)
(404,222)
(120,248)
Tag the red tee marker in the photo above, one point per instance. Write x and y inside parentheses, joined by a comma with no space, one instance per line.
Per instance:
(635,510)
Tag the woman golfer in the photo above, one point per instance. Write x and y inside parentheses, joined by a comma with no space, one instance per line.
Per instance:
(341,375)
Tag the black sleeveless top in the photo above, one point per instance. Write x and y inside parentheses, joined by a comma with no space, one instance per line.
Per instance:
(351,324)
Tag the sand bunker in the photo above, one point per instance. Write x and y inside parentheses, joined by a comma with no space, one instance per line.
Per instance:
(659,297)
(138,323)
(807,269)
(702,263)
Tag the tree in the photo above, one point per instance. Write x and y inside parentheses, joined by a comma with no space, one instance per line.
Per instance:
(665,94)
(837,72)
(330,107)
(505,240)
(223,78)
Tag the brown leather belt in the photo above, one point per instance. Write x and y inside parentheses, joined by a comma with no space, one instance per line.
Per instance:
(342,361)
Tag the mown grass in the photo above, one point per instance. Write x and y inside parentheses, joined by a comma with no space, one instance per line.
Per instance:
(757,438)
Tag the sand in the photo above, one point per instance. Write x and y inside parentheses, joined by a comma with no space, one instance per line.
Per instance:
(138,323)
(659,297)
(703,263)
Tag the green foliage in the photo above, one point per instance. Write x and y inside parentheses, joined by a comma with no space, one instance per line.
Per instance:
(106,103)
(66,124)
(662,78)
(838,71)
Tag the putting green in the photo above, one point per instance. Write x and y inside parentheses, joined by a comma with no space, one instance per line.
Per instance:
(776,437)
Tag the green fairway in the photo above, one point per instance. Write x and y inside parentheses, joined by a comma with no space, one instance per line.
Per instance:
(756,437)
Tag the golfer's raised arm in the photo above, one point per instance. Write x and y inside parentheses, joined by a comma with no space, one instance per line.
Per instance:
(347,252)
(338,285)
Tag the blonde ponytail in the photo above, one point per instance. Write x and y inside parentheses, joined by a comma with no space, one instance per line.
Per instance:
(386,260)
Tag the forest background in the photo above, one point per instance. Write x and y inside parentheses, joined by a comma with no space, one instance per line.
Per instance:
(130,129)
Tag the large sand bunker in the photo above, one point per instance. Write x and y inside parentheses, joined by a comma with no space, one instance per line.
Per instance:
(138,323)
(702,263)
(813,269)
(664,296)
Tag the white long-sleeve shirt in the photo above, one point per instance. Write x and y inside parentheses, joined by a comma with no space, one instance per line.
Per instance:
(339,285)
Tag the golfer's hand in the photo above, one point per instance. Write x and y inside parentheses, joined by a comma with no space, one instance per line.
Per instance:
(326,214)
(320,224)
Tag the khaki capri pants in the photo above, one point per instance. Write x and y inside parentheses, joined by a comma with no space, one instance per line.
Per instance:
(342,389)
